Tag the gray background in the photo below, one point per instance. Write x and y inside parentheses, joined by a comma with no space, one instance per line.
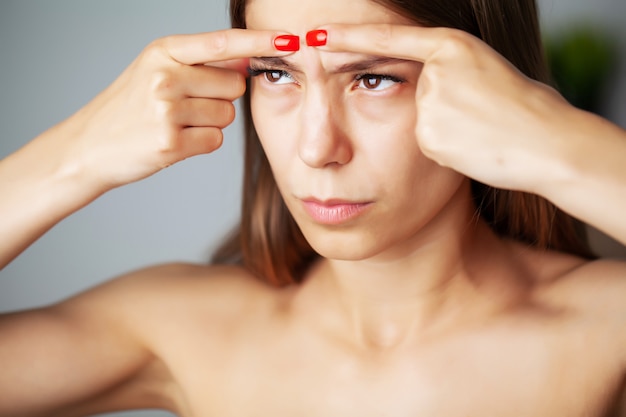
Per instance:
(56,55)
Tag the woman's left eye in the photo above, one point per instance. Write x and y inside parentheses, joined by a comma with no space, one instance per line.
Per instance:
(376,82)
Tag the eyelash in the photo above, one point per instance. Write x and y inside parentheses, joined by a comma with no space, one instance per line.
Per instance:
(255,72)
(381,77)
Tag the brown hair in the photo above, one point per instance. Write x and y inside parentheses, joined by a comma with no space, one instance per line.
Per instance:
(269,243)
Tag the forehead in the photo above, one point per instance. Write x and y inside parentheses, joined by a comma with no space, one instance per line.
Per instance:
(299,16)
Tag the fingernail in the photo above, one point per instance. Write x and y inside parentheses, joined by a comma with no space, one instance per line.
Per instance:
(316,37)
(289,43)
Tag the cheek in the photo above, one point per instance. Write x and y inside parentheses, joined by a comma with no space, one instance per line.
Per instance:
(388,153)
(275,121)
(397,113)
(384,120)
(383,129)
(274,100)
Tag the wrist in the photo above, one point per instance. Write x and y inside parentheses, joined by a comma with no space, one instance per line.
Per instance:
(50,172)
(570,149)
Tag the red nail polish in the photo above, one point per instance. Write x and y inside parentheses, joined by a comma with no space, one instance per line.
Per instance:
(316,37)
(289,43)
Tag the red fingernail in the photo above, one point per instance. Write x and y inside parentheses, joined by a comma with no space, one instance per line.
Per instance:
(289,43)
(316,37)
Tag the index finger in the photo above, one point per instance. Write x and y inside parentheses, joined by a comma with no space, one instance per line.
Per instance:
(222,45)
(414,43)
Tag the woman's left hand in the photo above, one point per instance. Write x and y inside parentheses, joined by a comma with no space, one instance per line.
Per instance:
(477,113)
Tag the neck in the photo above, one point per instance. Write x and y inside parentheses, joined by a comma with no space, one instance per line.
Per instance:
(439,281)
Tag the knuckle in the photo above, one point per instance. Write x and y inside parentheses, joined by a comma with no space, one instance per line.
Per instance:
(162,82)
(155,50)
(215,138)
(217,43)
(382,36)
(426,139)
(224,114)
(426,133)
(165,111)
(202,140)
(238,85)
(228,113)
(458,42)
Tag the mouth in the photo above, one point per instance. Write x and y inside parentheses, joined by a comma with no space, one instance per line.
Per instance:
(334,211)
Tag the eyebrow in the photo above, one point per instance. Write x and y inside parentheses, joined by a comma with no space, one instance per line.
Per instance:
(363,65)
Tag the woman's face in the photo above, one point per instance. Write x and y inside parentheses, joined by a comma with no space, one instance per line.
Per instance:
(339,132)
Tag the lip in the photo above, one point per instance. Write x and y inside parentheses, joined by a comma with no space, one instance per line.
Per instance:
(334,211)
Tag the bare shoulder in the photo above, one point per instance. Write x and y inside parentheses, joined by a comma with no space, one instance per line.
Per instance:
(119,345)
(598,285)
(594,292)
(581,282)
(183,285)
(176,278)
(152,302)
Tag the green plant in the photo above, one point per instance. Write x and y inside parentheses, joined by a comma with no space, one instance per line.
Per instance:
(581,59)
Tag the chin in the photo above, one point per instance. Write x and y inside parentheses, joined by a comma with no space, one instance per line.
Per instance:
(344,245)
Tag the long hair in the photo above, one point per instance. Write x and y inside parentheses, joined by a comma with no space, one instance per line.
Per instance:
(269,243)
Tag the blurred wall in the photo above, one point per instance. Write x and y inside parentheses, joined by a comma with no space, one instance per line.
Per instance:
(57,55)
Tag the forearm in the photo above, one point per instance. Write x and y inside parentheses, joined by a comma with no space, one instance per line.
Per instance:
(40,186)
(591,179)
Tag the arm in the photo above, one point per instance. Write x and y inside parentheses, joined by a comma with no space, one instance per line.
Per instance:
(164,108)
(590,179)
(83,357)
(91,353)
(63,357)
(38,190)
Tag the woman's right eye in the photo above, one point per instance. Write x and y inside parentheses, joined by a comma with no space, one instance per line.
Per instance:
(278,77)
(274,76)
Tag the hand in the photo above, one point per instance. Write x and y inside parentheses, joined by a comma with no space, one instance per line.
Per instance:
(477,114)
(171,103)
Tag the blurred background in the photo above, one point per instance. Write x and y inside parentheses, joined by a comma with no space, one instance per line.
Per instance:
(586,46)
(57,55)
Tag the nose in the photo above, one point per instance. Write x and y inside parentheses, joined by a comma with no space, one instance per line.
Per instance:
(323,136)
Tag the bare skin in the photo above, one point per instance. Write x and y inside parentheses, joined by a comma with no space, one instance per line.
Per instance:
(214,341)
(448,321)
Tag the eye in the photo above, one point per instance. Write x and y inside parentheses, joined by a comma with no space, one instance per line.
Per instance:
(376,82)
(272,76)
(278,77)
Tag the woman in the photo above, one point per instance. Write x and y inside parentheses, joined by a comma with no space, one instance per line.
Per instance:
(390,283)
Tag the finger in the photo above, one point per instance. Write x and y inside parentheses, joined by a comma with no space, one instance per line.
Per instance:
(222,45)
(396,41)
(239,65)
(200,140)
(198,81)
(205,81)
(201,112)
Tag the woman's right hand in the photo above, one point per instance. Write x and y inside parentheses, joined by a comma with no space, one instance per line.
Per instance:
(171,103)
